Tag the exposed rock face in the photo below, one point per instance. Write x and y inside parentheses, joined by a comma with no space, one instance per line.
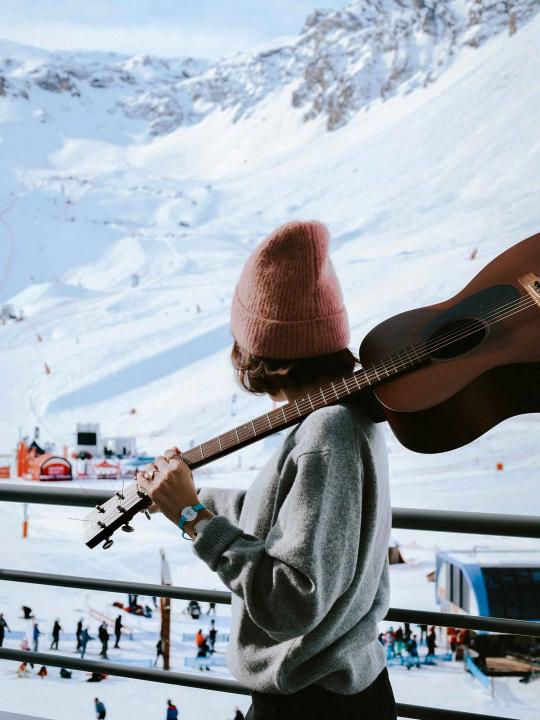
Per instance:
(341,62)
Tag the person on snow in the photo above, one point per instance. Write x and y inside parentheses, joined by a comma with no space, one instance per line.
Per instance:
(3,627)
(78,634)
(103,635)
(55,635)
(212,635)
(36,632)
(172,711)
(159,651)
(117,630)
(431,644)
(101,712)
(199,638)
(43,672)
(85,638)
(412,649)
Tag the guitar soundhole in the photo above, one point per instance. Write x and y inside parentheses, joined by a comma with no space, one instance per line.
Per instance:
(456,338)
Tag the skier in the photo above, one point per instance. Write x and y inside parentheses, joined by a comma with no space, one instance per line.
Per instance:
(431,644)
(172,711)
(85,637)
(407,633)
(27,612)
(103,635)
(117,630)
(78,634)
(159,650)
(199,638)
(55,634)
(3,627)
(101,712)
(212,635)
(412,649)
(202,652)
(42,672)
(239,715)
(36,632)
(423,633)
(398,641)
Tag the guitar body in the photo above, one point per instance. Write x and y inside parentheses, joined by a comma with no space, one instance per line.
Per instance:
(467,387)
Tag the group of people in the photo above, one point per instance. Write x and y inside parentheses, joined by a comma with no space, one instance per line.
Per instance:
(403,640)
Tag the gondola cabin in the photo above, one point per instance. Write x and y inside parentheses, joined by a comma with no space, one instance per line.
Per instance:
(47,467)
(499,583)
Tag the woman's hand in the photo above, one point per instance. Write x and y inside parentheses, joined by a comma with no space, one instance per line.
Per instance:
(171,487)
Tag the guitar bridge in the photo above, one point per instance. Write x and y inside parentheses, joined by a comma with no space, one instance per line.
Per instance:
(531,283)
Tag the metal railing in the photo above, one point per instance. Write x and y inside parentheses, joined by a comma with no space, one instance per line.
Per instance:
(441,521)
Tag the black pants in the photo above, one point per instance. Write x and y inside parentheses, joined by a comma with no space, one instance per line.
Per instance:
(376,702)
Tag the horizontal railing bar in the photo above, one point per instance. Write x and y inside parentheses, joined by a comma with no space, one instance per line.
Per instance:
(472,622)
(196,681)
(149,589)
(466,522)
(403,518)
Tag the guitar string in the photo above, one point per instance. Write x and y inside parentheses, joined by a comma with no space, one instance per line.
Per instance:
(497,315)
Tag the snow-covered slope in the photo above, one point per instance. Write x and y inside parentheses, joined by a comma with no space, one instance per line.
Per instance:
(408,188)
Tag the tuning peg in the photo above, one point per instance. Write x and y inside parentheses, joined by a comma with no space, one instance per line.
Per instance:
(147,514)
(119,495)
(127,528)
(101,524)
(140,492)
(121,509)
(100,509)
(108,543)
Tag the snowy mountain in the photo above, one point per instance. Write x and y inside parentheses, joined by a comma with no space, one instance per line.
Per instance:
(341,62)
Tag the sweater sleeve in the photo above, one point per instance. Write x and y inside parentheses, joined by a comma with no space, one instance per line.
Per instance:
(290,580)
(223,501)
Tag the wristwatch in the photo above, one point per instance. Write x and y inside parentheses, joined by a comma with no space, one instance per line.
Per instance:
(189,513)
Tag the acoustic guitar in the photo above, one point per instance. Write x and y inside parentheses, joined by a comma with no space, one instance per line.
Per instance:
(441,376)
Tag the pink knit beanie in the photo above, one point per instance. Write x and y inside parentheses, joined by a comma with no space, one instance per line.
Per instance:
(288,302)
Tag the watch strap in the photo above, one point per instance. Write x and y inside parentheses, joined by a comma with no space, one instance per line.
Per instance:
(183,518)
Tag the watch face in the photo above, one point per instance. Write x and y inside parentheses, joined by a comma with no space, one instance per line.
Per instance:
(189,513)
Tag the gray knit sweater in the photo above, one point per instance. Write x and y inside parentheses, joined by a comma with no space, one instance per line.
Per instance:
(305,553)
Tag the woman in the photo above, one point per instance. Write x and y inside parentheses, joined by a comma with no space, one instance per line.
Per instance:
(304,549)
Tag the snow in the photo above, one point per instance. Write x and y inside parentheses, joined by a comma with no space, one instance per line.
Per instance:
(408,187)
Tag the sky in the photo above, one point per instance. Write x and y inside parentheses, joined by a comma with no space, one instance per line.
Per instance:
(200,28)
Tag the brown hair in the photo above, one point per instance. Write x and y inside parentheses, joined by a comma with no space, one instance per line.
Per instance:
(259,375)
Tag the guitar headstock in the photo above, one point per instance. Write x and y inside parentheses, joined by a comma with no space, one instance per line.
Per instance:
(115,513)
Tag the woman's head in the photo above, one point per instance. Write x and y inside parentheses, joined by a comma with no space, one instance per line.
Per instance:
(287,304)
(288,319)
(279,377)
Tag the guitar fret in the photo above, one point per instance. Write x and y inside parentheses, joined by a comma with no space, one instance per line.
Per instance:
(334,389)
(414,351)
(297,410)
(202,453)
(346,386)
(283,413)
(219,441)
(309,398)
